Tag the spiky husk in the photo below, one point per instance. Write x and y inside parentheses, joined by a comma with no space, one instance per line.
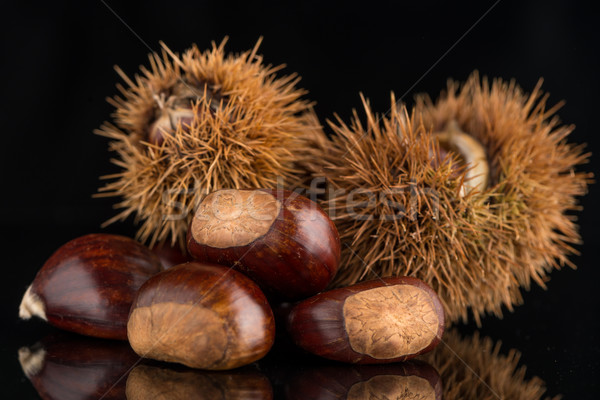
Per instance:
(475,250)
(253,138)
(474,368)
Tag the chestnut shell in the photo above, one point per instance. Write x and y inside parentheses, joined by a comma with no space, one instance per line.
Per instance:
(319,324)
(297,257)
(88,285)
(203,316)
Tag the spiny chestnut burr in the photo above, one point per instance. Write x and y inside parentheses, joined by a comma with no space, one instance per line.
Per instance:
(201,315)
(87,286)
(154,382)
(476,367)
(66,366)
(409,380)
(282,240)
(379,321)
(201,121)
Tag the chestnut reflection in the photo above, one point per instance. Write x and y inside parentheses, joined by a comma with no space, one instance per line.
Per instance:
(163,383)
(475,368)
(408,380)
(70,367)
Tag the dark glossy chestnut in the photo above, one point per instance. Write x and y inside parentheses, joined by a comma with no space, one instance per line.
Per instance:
(282,240)
(152,382)
(170,255)
(70,367)
(408,380)
(380,321)
(201,315)
(87,286)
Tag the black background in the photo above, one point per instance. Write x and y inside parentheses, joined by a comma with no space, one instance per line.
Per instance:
(57,69)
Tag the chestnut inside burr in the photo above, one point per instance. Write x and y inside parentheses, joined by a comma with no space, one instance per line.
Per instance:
(229,218)
(390,321)
(176,106)
(393,387)
(471,154)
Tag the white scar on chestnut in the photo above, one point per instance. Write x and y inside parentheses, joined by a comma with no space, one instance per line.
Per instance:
(32,305)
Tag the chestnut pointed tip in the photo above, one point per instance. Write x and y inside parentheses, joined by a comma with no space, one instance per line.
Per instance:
(32,305)
(31,361)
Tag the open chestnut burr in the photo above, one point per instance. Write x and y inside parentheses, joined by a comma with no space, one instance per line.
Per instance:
(379,321)
(201,315)
(87,286)
(282,240)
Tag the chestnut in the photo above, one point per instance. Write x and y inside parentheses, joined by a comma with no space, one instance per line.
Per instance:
(408,380)
(282,240)
(155,382)
(87,286)
(471,154)
(201,315)
(170,255)
(380,321)
(67,366)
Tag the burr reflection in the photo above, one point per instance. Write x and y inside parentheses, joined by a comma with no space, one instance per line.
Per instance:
(476,368)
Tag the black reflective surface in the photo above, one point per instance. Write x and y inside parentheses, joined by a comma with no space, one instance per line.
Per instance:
(57,70)
(68,366)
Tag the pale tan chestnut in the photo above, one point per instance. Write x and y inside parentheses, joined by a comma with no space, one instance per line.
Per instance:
(471,153)
(201,315)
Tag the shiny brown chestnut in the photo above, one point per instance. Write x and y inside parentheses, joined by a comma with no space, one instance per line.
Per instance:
(201,315)
(380,321)
(87,286)
(67,366)
(282,240)
(154,382)
(170,255)
(408,380)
